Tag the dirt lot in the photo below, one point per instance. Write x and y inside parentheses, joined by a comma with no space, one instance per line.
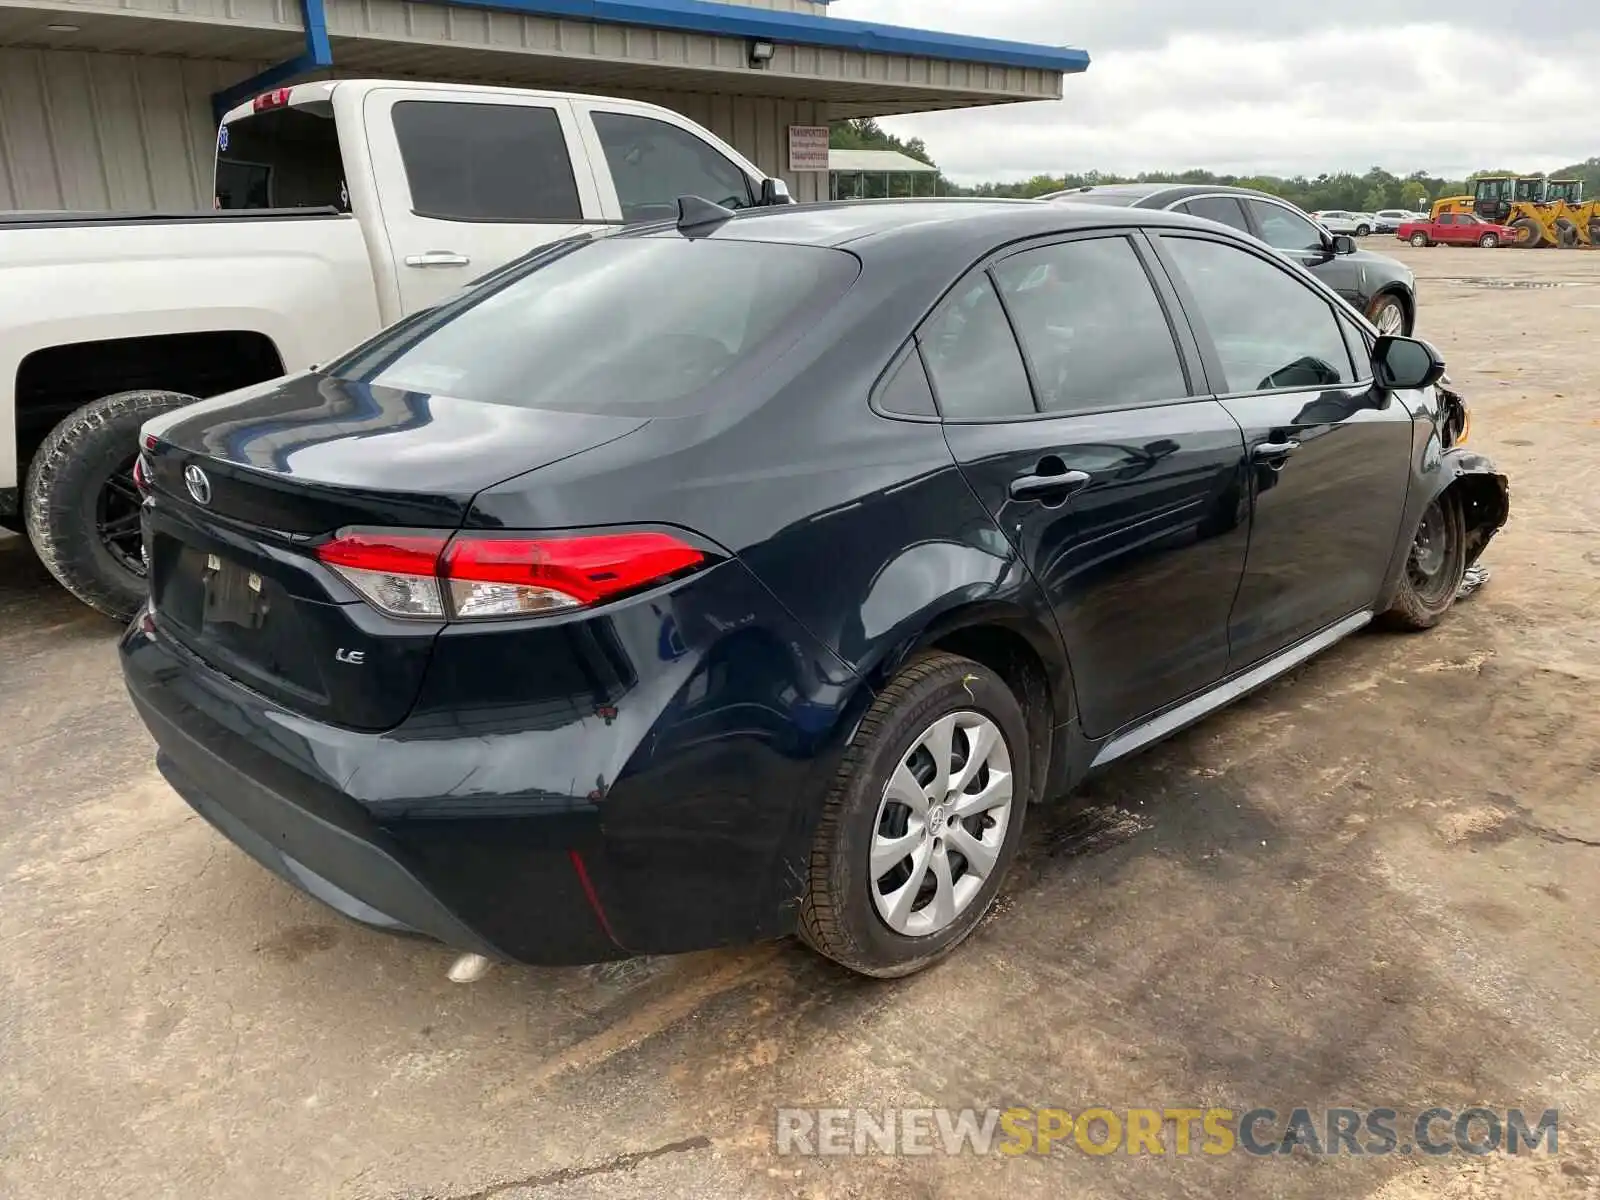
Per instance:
(1372,885)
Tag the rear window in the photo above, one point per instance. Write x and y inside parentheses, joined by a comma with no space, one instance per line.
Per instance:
(281,158)
(628,326)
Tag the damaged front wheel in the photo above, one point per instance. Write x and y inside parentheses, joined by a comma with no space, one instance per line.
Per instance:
(1435,565)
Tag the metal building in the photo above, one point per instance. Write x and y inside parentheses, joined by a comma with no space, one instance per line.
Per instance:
(112,104)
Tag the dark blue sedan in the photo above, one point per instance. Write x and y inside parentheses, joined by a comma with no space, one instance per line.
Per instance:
(753,574)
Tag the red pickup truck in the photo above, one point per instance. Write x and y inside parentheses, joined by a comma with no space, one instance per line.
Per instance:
(1456,229)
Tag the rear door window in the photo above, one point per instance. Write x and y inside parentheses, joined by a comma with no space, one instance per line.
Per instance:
(973,359)
(653,163)
(1224,209)
(281,158)
(629,326)
(1092,327)
(486,162)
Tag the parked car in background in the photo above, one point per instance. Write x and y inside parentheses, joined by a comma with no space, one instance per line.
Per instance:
(755,574)
(1381,288)
(1457,229)
(340,207)
(1389,219)
(1338,220)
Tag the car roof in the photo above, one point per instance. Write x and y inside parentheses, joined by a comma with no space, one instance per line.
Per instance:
(959,225)
(1152,195)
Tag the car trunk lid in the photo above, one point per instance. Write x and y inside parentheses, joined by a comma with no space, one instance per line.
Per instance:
(243,490)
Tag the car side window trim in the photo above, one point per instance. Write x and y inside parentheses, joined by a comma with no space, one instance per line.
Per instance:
(1208,349)
(1189,354)
(887,377)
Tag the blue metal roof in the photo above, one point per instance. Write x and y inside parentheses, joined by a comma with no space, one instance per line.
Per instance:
(733,20)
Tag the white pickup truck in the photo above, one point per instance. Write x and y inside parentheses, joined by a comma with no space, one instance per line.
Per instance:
(339,208)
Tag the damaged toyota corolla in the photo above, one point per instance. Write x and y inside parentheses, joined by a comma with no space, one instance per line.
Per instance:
(754,574)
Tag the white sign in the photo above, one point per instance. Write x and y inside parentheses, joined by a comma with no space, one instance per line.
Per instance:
(808,147)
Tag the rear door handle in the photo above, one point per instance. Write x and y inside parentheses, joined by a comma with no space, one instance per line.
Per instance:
(437,258)
(1042,487)
(1274,451)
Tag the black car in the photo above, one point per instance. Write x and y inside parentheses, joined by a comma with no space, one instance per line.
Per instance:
(752,575)
(1375,284)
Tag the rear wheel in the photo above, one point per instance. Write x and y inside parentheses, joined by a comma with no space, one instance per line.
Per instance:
(81,506)
(1489,241)
(1363,230)
(1435,566)
(922,820)
(1419,239)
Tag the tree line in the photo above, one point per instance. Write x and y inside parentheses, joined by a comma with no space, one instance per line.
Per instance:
(1369,192)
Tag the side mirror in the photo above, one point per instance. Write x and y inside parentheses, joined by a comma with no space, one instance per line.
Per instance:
(1343,243)
(774,192)
(1406,364)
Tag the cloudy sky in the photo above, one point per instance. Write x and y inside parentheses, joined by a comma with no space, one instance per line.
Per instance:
(1302,87)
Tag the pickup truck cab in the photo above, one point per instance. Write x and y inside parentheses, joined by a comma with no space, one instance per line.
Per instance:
(339,208)
(1456,229)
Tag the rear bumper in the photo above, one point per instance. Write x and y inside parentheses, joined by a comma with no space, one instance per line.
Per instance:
(642,783)
(330,848)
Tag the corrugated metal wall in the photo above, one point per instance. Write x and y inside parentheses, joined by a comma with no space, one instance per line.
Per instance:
(115,132)
(816,8)
(120,132)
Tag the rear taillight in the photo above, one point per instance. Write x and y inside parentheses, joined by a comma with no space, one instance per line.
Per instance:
(475,576)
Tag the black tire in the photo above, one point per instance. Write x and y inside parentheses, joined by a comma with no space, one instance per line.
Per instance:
(1382,304)
(1419,239)
(1529,235)
(838,917)
(1426,595)
(1489,241)
(1363,230)
(77,476)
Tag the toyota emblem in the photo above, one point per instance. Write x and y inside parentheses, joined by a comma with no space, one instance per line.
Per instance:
(199,486)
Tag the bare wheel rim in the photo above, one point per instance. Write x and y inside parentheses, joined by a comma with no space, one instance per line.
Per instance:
(940,825)
(1430,552)
(1390,320)
(116,519)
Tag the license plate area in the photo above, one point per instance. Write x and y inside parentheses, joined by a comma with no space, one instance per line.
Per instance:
(233,595)
(241,620)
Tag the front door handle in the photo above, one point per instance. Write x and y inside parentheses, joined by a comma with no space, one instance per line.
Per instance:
(1274,452)
(1057,486)
(437,258)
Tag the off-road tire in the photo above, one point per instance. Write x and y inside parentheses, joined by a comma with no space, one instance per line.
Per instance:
(837,915)
(1529,236)
(63,488)
(1416,610)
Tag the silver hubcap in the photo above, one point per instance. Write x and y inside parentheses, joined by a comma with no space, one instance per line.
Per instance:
(940,824)
(1390,319)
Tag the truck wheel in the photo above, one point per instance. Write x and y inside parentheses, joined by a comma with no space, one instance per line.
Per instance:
(81,506)
(1419,239)
(1529,235)
(922,820)
(1489,241)
(1435,565)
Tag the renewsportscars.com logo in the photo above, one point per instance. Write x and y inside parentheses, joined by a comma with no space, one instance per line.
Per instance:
(1100,1131)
